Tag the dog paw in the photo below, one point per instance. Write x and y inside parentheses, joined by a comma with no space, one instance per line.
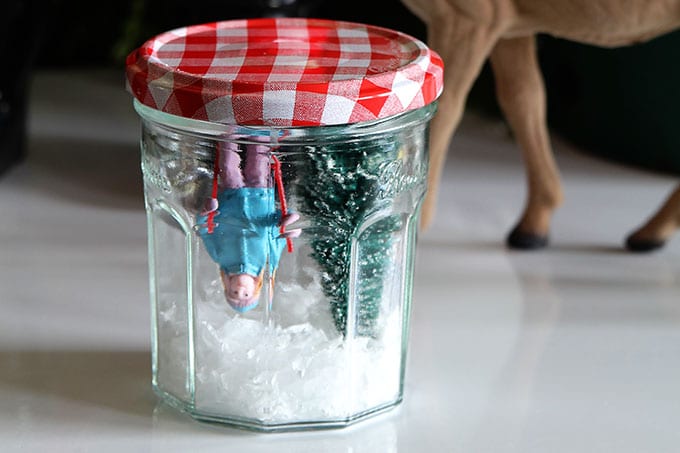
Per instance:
(521,240)
(638,245)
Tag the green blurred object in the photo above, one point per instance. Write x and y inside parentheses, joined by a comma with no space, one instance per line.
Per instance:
(339,187)
(622,104)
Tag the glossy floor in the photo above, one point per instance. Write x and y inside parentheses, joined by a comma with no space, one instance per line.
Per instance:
(575,348)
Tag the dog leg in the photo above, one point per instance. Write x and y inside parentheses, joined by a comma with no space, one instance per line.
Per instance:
(659,228)
(521,96)
(464,47)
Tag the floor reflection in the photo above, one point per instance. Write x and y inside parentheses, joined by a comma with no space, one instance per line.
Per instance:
(512,394)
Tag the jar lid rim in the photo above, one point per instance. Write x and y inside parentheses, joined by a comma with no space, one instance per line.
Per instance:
(284,72)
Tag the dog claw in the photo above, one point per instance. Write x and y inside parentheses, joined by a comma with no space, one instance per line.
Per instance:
(521,240)
(643,245)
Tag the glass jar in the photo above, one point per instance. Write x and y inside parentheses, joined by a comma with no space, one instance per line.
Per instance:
(281,264)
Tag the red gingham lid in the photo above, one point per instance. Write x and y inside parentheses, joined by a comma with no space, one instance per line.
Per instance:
(284,72)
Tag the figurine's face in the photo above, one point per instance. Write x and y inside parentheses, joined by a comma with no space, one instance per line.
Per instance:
(242,290)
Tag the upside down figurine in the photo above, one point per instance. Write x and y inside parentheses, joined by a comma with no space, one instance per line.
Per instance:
(241,228)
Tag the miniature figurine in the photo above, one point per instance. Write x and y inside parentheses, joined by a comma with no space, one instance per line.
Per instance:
(240,226)
(465,33)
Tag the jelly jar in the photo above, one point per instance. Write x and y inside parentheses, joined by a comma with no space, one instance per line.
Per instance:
(284,163)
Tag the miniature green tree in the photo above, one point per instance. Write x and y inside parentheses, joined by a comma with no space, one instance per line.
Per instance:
(340,186)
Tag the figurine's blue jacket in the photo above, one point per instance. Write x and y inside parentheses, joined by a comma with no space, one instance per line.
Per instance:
(246,235)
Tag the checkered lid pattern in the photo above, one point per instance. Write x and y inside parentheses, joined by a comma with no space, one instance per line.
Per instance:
(284,72)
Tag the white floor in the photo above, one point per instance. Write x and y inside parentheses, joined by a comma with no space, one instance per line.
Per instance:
(575,348)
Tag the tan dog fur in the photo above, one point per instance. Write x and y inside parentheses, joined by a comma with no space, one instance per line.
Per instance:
(468,32)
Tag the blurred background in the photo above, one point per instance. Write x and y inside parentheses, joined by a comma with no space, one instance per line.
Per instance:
(621,104)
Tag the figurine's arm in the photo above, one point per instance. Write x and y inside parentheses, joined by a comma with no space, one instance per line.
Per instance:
(287,220)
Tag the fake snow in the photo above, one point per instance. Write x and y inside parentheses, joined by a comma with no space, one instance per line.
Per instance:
(287,364)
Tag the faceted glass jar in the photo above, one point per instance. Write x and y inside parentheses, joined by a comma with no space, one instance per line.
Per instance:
(324,342)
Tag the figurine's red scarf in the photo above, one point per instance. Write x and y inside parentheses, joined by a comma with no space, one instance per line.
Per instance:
(278,179)
(216,172)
